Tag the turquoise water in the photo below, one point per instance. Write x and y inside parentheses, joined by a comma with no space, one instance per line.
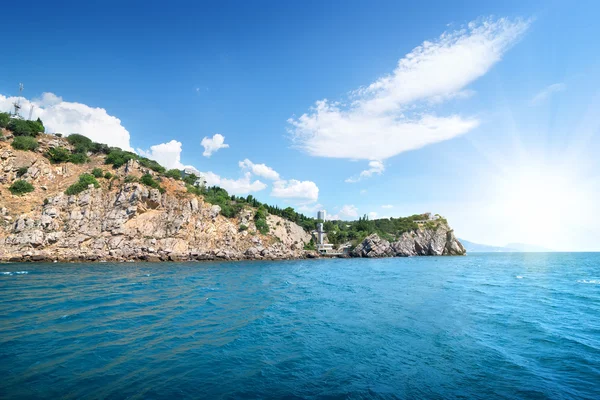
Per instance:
(481,326)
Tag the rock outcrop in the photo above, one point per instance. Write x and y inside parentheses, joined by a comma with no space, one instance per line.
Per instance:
(438,241)
(122,221)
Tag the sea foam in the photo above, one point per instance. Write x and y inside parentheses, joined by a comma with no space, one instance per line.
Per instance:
(591,281)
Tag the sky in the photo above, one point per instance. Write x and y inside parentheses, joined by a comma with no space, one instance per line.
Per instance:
(484,113)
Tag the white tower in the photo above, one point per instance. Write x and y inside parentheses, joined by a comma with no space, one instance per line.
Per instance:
(320,216)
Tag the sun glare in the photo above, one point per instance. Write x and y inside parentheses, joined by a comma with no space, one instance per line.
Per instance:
(539,202)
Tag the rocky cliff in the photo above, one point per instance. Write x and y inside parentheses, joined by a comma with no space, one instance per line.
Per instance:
(120,220)
(437,241)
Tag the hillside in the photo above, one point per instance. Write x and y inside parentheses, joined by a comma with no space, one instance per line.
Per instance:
(72,199)
(125,212)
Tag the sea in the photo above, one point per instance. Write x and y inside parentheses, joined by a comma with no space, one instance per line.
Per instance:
(511,326)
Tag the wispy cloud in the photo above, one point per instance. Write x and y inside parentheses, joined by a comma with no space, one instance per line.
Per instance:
(384,118)
(387,206)
(375,168)
(548,91)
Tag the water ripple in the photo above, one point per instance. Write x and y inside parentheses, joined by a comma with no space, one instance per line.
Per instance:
(501,325)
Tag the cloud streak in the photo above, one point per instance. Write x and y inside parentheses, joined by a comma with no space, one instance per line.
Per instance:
(382,119)
(547,92)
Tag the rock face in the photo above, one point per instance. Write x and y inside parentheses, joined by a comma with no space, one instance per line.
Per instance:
(121,221)
(124,221)
(422,242)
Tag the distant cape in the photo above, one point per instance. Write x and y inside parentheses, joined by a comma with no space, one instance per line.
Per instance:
(509,248)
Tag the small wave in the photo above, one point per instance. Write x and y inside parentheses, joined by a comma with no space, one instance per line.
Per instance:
(590,281)
(21,272)
(10,273)
(519,277)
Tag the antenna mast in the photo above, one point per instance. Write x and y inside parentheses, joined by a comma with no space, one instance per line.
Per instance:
(17,104)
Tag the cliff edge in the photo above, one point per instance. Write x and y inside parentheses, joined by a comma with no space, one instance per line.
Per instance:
(427,241)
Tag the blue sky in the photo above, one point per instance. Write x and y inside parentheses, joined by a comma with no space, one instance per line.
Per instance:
(494,124)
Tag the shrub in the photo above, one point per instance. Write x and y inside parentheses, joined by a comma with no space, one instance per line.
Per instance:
(147,180)
(107,175)
(310,245)
(21,171)
(131,179)
(82,184)
(4,120)
(99,148)
(97,172)
(262,226)
(46,201)
(79,142)
(191,179)
(193,189)
(153,165)
(58,134)
(78,158)
(25,143)
(173,173)
(118,157)
(20,127)
(243,228)
(58,155)
(20,188)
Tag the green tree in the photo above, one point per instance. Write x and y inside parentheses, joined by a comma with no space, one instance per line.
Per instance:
(4,120)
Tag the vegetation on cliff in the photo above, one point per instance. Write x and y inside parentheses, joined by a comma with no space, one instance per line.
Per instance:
(79,148)
(339,232)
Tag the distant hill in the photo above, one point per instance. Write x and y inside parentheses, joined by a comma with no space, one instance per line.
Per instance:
(509,248)
(524,247)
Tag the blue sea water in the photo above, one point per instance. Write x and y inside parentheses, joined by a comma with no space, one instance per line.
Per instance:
(481,326)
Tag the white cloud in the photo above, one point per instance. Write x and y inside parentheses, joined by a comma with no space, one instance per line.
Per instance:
(213,144)
(373,215)
(375,167)
(301,191)
(547,92)
(347,211)
(382,122)
(309,209)
(387,206)
(364,191)
(239,186)
(259,169)
(167,154)
(66,117)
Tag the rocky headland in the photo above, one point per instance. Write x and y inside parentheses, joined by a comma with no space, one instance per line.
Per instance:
(120,218)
